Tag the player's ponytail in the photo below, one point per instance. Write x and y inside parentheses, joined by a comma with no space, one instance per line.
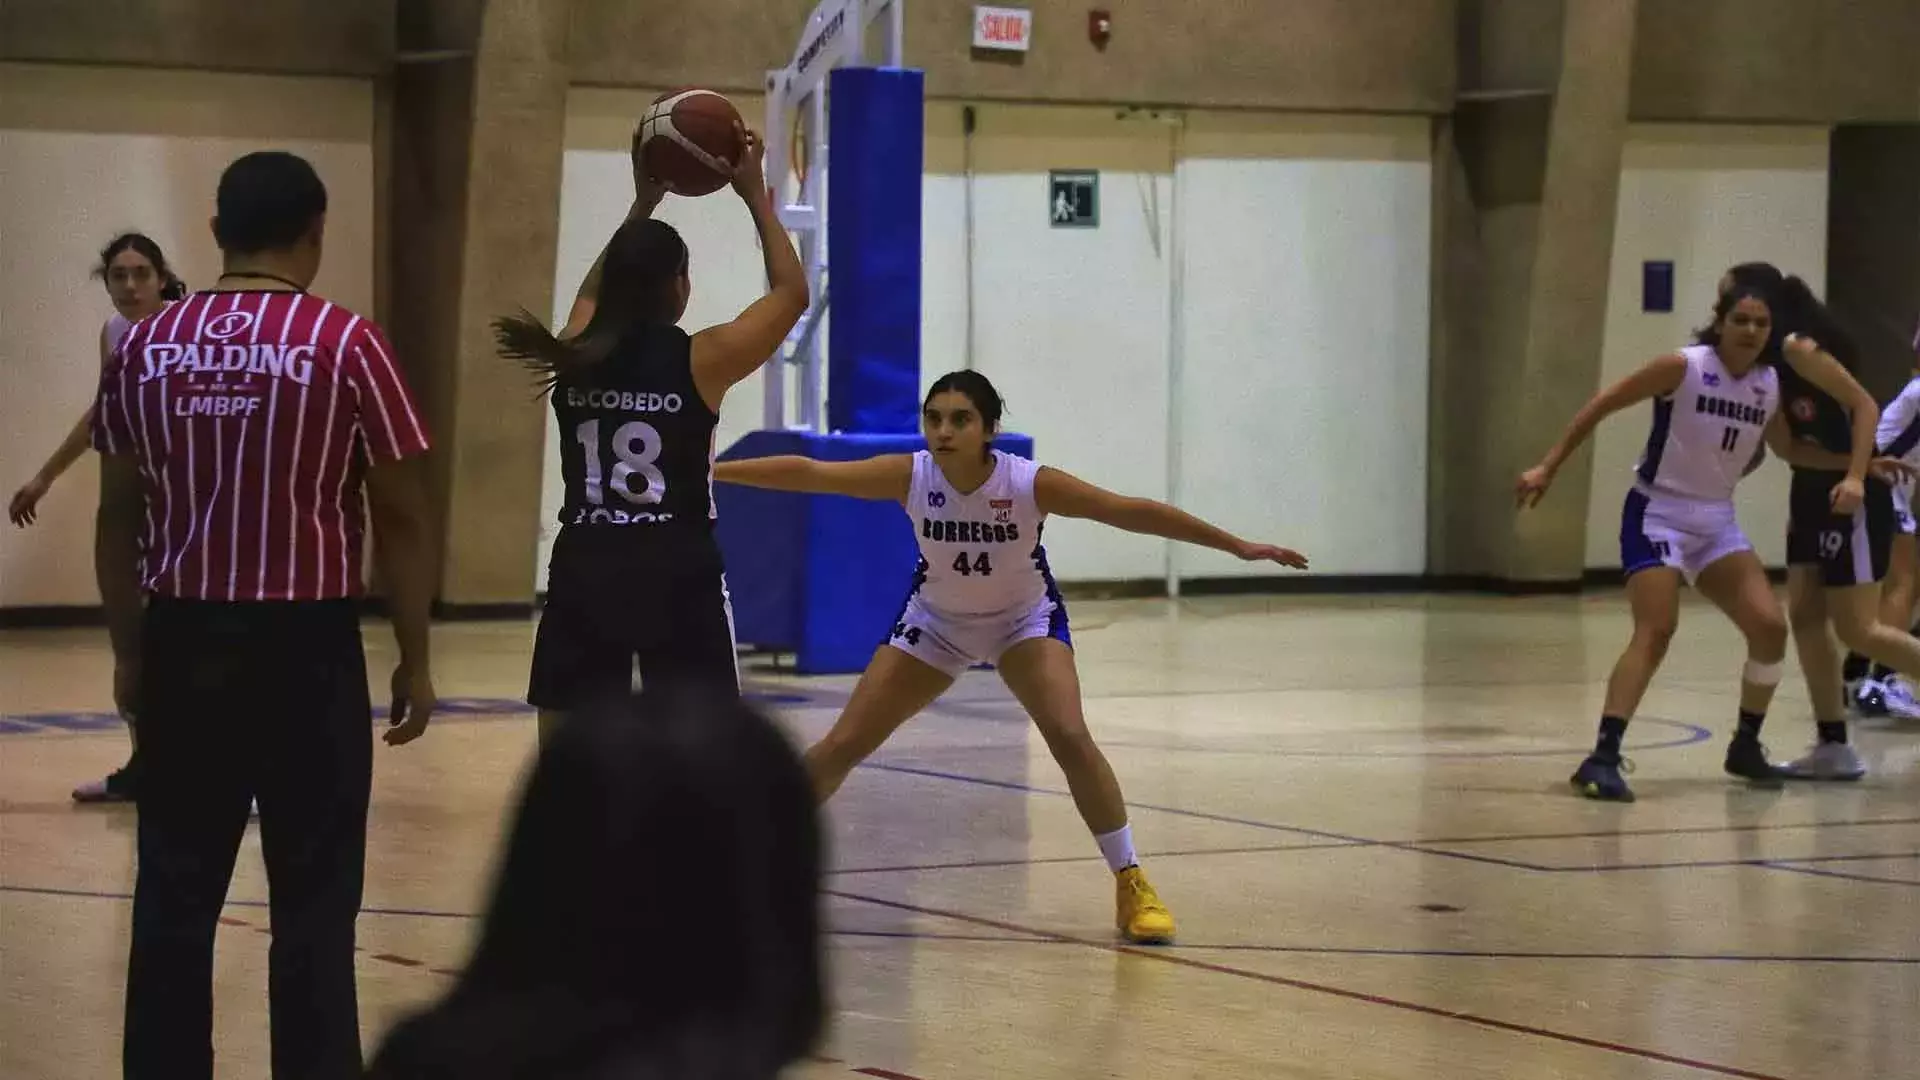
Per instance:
(1796,310)
(639,283)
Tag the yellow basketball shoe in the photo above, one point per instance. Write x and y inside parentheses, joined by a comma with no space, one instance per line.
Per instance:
(1138,912)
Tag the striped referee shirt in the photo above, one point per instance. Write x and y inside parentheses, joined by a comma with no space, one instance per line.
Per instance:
(253,417)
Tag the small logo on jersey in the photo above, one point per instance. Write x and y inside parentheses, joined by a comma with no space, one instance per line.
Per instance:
(232,324)
(1802,408)
(936,499)
(1710,378)
(1002,510)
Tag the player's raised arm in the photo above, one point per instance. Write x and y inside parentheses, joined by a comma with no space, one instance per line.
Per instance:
(648,193)
(725,354)
(1067,495)
(885,478)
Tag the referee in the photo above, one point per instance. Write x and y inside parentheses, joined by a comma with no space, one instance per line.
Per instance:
(238,430)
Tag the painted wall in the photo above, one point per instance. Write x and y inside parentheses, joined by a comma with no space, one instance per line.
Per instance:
(1705,198)
(1302,262)
(86,153)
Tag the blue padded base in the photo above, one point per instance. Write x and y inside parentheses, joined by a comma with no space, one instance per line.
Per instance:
(820,576)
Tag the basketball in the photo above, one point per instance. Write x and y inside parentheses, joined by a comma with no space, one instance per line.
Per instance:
(690,140)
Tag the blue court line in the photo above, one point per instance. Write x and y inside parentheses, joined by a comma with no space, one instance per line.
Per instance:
(469,709)
(1038,938)
(997,711)
(1843,875)
(1447,954)
(1341,839)
(1704,864)
(1680,830)
(1262,849)
(1322,834)
(1472,954)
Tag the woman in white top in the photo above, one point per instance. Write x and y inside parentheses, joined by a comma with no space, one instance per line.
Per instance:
(1715,404)
(140,284)
(1883,691)
(983,594)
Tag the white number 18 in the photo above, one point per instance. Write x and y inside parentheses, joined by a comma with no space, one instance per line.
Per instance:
(630,461)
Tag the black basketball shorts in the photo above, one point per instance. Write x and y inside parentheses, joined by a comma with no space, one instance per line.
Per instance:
(1850,549)
(676,623)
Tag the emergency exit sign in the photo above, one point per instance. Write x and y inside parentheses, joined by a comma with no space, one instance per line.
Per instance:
(1001,28)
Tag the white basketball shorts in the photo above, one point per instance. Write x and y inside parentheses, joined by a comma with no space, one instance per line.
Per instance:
(1687,535)
(955,643)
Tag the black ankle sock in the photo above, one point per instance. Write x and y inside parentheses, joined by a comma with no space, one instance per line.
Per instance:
(1750,724)
(1856,667)
(1835,731)
(1612,730)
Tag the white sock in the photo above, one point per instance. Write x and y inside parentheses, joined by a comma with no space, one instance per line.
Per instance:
(1117,846)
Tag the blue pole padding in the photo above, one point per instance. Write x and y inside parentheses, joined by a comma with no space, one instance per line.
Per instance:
(875,136)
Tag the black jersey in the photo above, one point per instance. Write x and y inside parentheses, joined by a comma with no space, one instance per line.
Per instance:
(636,440)
(1812,414)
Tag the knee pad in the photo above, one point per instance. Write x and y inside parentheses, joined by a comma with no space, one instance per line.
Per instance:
(1760,674)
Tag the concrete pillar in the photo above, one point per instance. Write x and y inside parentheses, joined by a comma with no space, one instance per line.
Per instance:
(1527,179)
(478,123)
(1873,245)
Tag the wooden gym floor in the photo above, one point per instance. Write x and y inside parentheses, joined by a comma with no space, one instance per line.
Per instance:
(1357,809)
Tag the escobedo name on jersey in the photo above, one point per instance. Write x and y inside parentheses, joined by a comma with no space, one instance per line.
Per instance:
(634,476)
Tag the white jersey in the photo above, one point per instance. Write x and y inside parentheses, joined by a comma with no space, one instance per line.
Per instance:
(980,553)
(1899,432)
(1705,433)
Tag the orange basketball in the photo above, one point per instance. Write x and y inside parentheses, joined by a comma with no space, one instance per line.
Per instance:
(690,140)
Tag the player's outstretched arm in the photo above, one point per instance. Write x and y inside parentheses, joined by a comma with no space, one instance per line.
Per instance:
(1067,495)
(22,509)
(1657,378)
(885,478)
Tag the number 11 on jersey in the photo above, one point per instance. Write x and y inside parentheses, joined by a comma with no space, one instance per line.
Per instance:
(1730,439)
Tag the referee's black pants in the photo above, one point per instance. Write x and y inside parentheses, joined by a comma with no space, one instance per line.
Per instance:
(239,702)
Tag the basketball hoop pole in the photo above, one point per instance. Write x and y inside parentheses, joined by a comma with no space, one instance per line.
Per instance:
(835,35)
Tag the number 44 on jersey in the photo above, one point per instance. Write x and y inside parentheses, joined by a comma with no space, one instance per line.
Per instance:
(981,565)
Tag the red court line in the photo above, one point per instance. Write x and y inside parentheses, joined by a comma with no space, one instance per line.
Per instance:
(421,965)
(1317,988)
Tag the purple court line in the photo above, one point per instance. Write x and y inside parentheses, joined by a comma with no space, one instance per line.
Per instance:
(1706,864)
(996,710)
(1038,937)
(1262,849)
(998,864)
(1344,840)
(1841,874)
(1340,839)
(1446,954)
(1165,957)
(1677,831)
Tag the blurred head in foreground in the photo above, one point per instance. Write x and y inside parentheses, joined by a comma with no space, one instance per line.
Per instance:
(656,910)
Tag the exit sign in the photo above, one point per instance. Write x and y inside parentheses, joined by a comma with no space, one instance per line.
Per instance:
(1005,29)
